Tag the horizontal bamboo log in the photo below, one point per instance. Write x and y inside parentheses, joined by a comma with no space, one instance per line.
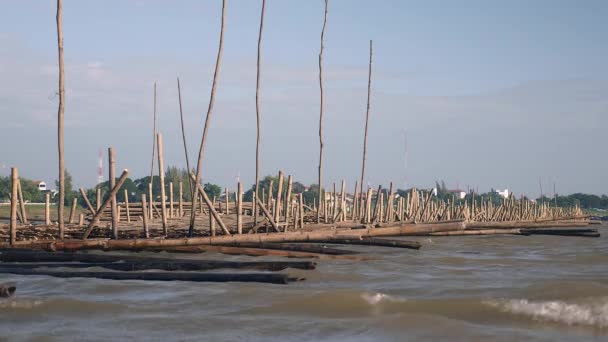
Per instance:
(524,224)
(264,252)
(376,242)
(478,232)
(7,290)
(273,278)
(296,247)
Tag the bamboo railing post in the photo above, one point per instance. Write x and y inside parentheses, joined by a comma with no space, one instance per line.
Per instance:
(112,165)
(73,210)
(86,201)
(106,203)
(355,212)
(301,209)
(258,117)
(369,86)
(161,174)
(343,200)
(288,200)
(321,116)
(81,220)
(60,113)
(151,204)
(201,151)
(145,216)
(277,207)
(128,210)
(212,225)
(170,199)
(118,211)
(239,209)
(98,198)
(47,209)
(270,196)
(14,195)
(368,206)
(181,201)
(227,196)
(21,203)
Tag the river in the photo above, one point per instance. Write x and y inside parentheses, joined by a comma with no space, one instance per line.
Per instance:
(507,288)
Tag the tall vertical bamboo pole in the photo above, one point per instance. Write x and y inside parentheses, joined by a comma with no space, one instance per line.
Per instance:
(301,209)
(258,115)
(13,224)
(277,207)
(127,206)
(145,215)
(201,151)
(181,201)
(355,201)
(288,200)
(112,178)
(369,87)
(47,209)
(21,203)
(153,143)
(161,176)
(239,208)
(171,199)
(321,116)
(151,204)
(60,113)
(188,170)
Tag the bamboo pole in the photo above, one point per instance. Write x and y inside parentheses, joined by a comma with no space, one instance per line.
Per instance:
(113,191)
(288,201)
(369,87)
(161,174)
(190,187)
(98,198)
(201,151)
(86,201)
(181,201)
(268,216)
(112,172)
(47,209)
(21,203)
(321,116)
(258,115)
(73,210)
(14,195)
(151,206)
(171,199)
(277,207)
(60,113)
(227,196)
(211,207)
(128,210)
(153,146)
(239,209)
(145,216)
(301,210)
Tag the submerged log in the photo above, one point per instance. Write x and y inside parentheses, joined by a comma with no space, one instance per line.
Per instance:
(296,247)
(562,232)
(262,252)
(7,290)
(273,278)
(524,224)
(159,263)
(375,242)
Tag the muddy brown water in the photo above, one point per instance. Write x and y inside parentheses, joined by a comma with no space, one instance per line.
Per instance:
(455,288)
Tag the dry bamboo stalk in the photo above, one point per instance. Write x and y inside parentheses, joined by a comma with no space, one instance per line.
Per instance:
(369,86)
(288,200)
(211,206)
(151,206)
(277,209)
(239,209)
(201,151)
(181,201)
(321,107)
(368,206)
(161,174)
(13,223)
(112,178)
(98,198)
(190,187)
(73,210)
(389,205)
(270,195)
(113,191)
(212,225)
(258,115)
(60,113)
(145,216)
(355,212)
(81,220)
(171,199)
(118,210)
(87,202)
(334,207)
(21,203)
(301,211)
(127,206)
(343,200)
(227,196)
(153,145)
(47,209)
(268,216)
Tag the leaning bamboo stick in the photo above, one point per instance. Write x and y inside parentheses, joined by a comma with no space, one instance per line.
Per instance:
(86,201)
(21,203)
(161,174)
(13,223)
(112,172)
(113,191)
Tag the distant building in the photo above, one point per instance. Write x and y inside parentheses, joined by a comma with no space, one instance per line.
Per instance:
(460,194)
(41,185)
(502,193)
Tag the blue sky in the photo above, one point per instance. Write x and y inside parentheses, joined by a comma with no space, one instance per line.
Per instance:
(491,93)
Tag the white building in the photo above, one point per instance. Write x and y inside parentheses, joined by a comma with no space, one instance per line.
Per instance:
(502,193)
(41,185)
(460,194)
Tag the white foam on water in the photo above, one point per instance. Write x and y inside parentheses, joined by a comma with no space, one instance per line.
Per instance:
(593,313)
(375,298)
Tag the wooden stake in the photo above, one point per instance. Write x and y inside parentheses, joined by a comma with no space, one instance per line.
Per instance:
(87,202)
(73,210)
(60,113)
(171,199)
(239,209)
(321,116)
(98,198)
(21,203)
(127,206)
(112,165)
(47,209)
(277,208)
(151,206)
(181,201)
(301,209)
(288,201)
(14,195)
(201,151)
(161,174)
(145,215)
